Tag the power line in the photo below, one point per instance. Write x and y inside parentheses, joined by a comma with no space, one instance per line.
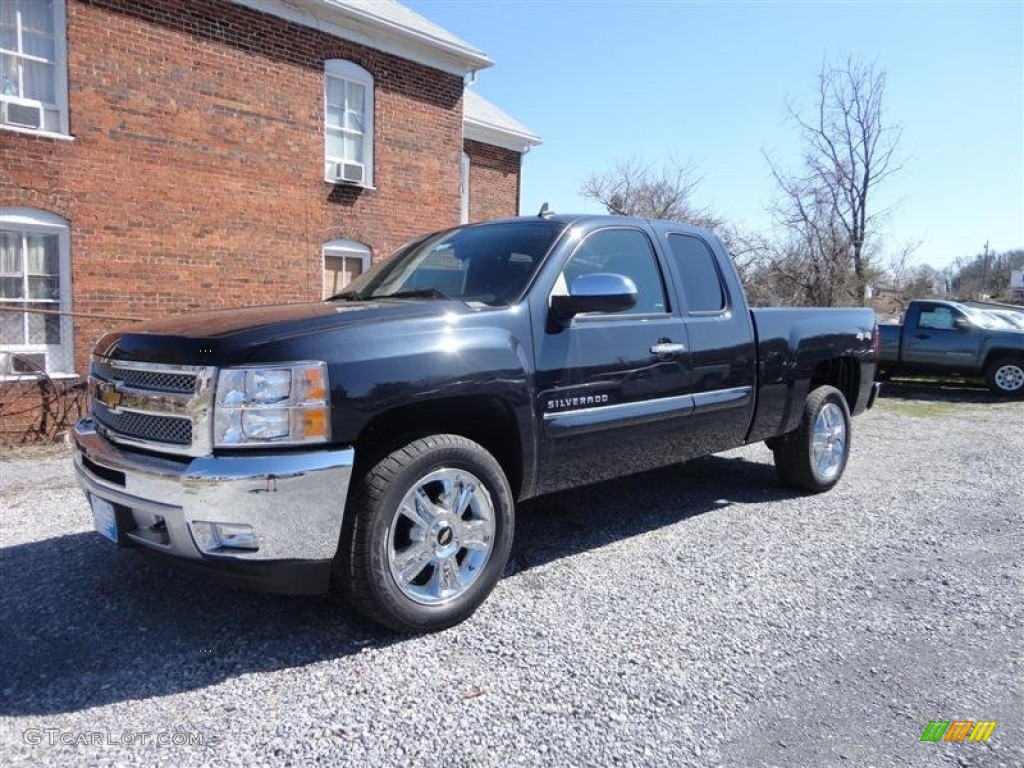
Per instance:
(984,273)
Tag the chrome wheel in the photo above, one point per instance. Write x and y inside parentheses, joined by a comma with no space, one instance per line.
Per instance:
(441,536)
(1009,377)
(828,441)
(813,456)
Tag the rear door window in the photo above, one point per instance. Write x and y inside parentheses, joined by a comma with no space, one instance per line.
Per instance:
(702,285)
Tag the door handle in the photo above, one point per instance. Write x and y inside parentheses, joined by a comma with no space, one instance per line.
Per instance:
(666,348)
(922,336)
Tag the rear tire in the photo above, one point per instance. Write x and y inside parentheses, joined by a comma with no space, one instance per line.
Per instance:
(813,457)
(427,535)
(1005,376)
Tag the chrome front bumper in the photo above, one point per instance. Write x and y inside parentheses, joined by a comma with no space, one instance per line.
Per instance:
(292,501)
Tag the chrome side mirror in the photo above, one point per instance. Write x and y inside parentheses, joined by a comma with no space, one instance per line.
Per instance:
(597,292)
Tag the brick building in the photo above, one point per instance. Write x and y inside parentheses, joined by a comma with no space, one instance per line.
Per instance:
(164,156)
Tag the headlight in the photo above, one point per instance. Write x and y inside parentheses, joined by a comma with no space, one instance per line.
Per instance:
(272,404)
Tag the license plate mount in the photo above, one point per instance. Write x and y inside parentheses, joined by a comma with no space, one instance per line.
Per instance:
(104,517)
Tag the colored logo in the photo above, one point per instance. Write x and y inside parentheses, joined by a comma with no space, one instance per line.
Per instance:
(108,395)
(958,730)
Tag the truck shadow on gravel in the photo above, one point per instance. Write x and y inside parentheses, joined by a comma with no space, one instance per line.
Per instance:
(570,522)
(85,626)
(951,391)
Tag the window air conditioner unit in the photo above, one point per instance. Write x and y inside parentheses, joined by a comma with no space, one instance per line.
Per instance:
(18,364)
(21,112)
(349,173)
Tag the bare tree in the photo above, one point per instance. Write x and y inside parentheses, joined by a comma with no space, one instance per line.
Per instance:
(630,188)
(751,253)
(849,151)
(899,265)
(985,274)
(908,282)
(923,282)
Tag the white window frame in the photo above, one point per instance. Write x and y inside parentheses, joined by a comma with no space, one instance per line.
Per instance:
(349,72)
(466,168)
(60,84)
(346,249)
(34,221)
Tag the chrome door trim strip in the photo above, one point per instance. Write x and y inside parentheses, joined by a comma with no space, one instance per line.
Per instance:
(606,415)
(716,399)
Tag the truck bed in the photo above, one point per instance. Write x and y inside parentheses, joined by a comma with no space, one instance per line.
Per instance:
(792,344)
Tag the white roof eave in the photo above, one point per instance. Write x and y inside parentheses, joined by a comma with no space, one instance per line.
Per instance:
(352,23)
(498,136)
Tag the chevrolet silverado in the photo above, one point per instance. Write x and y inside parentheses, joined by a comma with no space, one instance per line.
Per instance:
(380,439)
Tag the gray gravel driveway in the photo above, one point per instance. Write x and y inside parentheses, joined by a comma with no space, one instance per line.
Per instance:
(698,615)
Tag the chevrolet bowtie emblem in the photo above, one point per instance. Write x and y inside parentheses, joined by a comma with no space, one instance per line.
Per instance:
(108,395)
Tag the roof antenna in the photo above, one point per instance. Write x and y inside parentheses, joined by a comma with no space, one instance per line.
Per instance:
(545,212)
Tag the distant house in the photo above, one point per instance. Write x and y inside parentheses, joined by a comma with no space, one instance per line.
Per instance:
(167,156)
(1017,284)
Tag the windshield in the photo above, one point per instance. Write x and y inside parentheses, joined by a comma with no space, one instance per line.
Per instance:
(487,263)
(988,320)
(1016,319)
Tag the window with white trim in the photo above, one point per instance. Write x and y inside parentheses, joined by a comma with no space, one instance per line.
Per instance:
(33,66)
(348,124)
(619,251)
(35,292)
(344,261)
(464,188)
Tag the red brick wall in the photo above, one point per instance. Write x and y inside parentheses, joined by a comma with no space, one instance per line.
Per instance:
(195,178)
(40,411)
(493,181)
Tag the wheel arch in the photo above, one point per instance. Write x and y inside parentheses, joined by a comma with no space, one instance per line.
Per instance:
(843,373)
(485,419)
(995,360)
(998,353)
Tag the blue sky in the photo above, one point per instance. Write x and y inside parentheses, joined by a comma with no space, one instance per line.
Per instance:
(708,83)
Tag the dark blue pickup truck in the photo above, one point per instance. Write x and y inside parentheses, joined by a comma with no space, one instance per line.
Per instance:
(943,338)
(380,439)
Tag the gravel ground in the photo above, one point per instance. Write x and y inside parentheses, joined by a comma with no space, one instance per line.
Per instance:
(692,616)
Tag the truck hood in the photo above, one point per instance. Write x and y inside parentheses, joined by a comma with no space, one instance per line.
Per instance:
(228,337)
(1012,336)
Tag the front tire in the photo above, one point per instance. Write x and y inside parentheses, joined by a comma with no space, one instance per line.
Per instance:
(1005,376)
(813,457)
(428,533)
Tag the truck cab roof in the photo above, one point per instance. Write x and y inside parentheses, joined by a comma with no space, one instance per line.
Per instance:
(597,219)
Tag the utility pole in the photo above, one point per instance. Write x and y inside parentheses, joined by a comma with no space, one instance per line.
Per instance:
(984,273)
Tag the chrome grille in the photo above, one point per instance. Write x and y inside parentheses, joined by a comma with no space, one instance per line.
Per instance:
(158,407)
(145,426)
(140,378)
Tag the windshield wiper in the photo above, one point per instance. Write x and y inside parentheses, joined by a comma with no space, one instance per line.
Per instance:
(419,293)
(345,296)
